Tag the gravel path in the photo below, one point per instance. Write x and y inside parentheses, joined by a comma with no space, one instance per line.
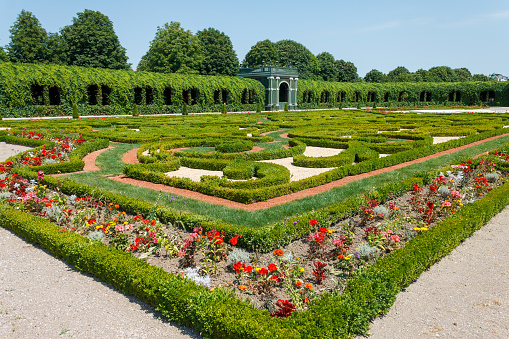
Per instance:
(465,295)
(44,297)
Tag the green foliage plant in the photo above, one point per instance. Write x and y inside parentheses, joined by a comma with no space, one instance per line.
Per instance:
(75,114)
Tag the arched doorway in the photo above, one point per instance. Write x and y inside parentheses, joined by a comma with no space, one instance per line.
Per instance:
(283,93)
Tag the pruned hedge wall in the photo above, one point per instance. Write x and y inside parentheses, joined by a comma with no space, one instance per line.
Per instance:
(50,90)
(323,94)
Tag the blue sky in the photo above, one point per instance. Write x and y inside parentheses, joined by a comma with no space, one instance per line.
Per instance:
(370,33)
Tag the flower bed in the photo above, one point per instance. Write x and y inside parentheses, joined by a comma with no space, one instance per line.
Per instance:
(286,279)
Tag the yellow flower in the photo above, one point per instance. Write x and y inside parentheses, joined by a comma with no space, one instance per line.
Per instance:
(125,223)
(242,288)
(347,258)
(331,231)
(301,269)
(424,228)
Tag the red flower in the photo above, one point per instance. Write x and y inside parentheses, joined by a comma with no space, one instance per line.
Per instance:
(238,265)
(218,240)
(272,267)
(313,222)
(153,222)
(469,162)
(322,230)
(263,271)
(275,277)
(234,240)
(248,269)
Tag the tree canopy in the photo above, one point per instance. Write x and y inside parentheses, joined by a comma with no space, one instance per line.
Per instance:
(219,56)
(294,53)
(91,41)
(28,40)
(375,76)
(3,55)
(328,69)
(173,50)
(264,52)
(347,72)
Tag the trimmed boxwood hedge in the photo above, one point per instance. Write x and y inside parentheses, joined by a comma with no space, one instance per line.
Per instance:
(264,193)
(217,315)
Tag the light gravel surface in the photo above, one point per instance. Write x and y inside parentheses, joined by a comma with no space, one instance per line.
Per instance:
(44,297)
(465,295)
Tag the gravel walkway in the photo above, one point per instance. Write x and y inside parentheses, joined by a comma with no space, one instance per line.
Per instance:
(44,297)
(465,295)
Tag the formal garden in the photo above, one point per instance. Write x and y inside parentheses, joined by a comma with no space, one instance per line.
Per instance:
(296,224)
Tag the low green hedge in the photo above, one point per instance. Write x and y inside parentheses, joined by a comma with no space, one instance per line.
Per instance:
(235,146)
(240,170)
(264,193)
(217,315)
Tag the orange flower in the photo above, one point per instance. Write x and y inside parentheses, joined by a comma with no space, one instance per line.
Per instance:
(298,283)
(340,256)
(309,286)
(278,253)
(117,206)
(242,288)
(63,230)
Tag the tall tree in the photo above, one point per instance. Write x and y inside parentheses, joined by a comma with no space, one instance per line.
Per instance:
(28,40)
(264,52)
(328,69)
(57,49)
(442,74)
(399,74)
(374,76)
(463,74)
(480,77)
(347,72)
(219,56)
(173,50)
(91,41)
(291,52)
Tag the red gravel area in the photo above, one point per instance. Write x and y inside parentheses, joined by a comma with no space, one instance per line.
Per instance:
(286,198)
(255,149)
(267,133)
(89,160)
(130,157)
(284,135)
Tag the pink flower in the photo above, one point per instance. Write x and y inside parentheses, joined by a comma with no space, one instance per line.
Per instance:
(383,234)
(395,238)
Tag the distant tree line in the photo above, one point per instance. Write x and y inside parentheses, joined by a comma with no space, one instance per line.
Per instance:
(91,41)
(434,74)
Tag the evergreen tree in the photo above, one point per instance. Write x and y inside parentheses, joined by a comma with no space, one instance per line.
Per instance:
(264,52)
(173,50)
(328,69)
(375,76)
(28,40)
(219,56)
(347,72)
(91,41)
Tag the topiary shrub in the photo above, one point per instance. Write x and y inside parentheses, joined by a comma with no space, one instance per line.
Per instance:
(224,109)
(286,107)
(259,107)
(75,114)
(235,146)
(184,109)
(135,111)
